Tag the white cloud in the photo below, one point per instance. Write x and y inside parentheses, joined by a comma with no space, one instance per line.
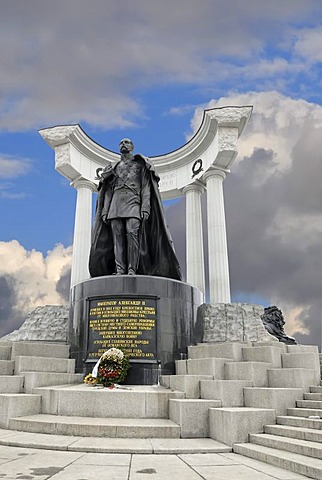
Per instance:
(294,317)
(7,194)
(308,44)
(89,63)
(270,68)
(34,276)
(11,167)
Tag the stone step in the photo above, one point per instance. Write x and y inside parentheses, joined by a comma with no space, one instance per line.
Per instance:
(277,398)
(230,392)
(17,405)
(304,412)
(11,384)
(39,349)
(292,377)
(231,425)
(292,445)
(276,344)
(43,364)
(97,427)
(43,379)
(219,350)
(112,445)
(263,354)
(6,367)
(132,401)
(316,404)
(5,352)
(301,360)
(255,372)
(302,349)
(302,433)
(181,367)
(207,366)
(165,380)
(300,422)
(188,384)
(296,463)
(315,389)
(192,415)
(312,396)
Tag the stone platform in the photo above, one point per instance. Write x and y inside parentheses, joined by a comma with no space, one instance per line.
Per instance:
(176,305)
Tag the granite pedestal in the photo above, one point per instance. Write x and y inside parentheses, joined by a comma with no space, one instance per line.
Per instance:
(176,320)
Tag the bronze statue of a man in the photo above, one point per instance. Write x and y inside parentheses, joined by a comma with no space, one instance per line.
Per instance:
(130,233)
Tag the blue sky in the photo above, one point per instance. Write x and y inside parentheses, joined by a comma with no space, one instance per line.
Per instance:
(147,70)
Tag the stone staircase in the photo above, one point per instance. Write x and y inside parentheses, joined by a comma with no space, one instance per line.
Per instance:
(267,392)
(25,366)
(295,441)
(81,410)
(254,383)
(220,398)
(41,395)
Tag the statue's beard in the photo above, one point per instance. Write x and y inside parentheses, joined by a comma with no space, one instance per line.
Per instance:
(125,150)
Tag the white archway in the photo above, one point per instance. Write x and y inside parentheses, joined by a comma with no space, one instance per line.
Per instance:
(201,164)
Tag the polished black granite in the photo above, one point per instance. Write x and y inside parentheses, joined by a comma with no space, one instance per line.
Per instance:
(177,328)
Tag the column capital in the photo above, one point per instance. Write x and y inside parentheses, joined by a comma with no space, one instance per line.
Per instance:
(83,183)
(193,187)
(214,172)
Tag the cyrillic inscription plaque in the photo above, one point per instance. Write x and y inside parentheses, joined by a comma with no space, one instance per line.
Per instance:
(125,323)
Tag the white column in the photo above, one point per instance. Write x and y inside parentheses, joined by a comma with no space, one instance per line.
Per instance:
(219,286)
(194,236)
(82,230)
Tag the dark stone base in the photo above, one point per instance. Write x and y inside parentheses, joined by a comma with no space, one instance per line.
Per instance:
(176,326)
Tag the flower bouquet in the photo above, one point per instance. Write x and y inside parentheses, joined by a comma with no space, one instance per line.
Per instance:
(111,369)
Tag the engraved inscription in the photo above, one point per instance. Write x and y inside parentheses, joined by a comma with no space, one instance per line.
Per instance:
(168,181)
(125,323)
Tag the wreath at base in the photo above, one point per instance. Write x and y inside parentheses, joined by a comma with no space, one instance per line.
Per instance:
(111,369)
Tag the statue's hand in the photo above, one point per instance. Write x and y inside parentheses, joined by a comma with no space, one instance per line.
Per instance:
(144,216)
(107,172)
(104,219)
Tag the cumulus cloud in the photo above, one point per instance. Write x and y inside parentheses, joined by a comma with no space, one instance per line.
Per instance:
(274,208)
(88,64)
(278,124)
(29,279)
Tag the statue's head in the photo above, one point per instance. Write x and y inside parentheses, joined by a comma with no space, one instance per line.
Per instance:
(126,145)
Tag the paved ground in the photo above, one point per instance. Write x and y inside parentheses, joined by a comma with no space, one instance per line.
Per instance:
(32,464)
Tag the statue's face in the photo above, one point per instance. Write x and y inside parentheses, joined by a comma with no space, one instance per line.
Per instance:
(126,145)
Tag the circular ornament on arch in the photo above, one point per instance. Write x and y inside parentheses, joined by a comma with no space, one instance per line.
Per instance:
(197,168)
